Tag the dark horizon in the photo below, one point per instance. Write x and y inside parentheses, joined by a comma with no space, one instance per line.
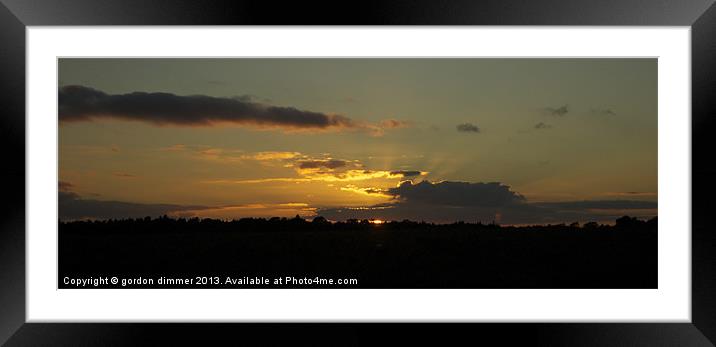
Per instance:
(389,255)
(374,221)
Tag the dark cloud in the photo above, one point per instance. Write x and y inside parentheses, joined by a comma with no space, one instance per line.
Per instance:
(448,201)
(456,193)
(79,103)
(445,201)
(124,175)
(405,173)
(72,207)
(541,125)
(559,112)
(373,190)
(468,128)
(316,164)
(245,98)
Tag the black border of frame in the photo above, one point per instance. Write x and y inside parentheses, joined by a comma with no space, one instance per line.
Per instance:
(15,15)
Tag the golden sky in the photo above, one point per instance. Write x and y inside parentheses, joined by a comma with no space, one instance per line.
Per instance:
(517,140)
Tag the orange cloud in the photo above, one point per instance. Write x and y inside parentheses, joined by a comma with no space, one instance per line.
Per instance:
(259,180)
(309,169)
(231,155)
(313,175)
(272,155)
(387,124)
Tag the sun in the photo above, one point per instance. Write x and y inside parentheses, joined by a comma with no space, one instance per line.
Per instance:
(376,221)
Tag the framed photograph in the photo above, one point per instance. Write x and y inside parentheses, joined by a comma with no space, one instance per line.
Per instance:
(527,170)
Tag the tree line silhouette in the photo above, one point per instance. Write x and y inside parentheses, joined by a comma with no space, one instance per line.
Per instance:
(394,254)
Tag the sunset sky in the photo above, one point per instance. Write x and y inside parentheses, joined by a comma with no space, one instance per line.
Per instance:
(512,140)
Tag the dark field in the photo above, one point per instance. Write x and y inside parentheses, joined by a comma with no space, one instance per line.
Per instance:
(390,255)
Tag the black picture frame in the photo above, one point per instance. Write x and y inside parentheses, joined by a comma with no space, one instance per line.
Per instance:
(15,15)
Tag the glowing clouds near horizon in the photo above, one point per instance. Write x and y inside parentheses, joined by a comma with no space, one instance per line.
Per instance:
(308,168)
(450,201)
